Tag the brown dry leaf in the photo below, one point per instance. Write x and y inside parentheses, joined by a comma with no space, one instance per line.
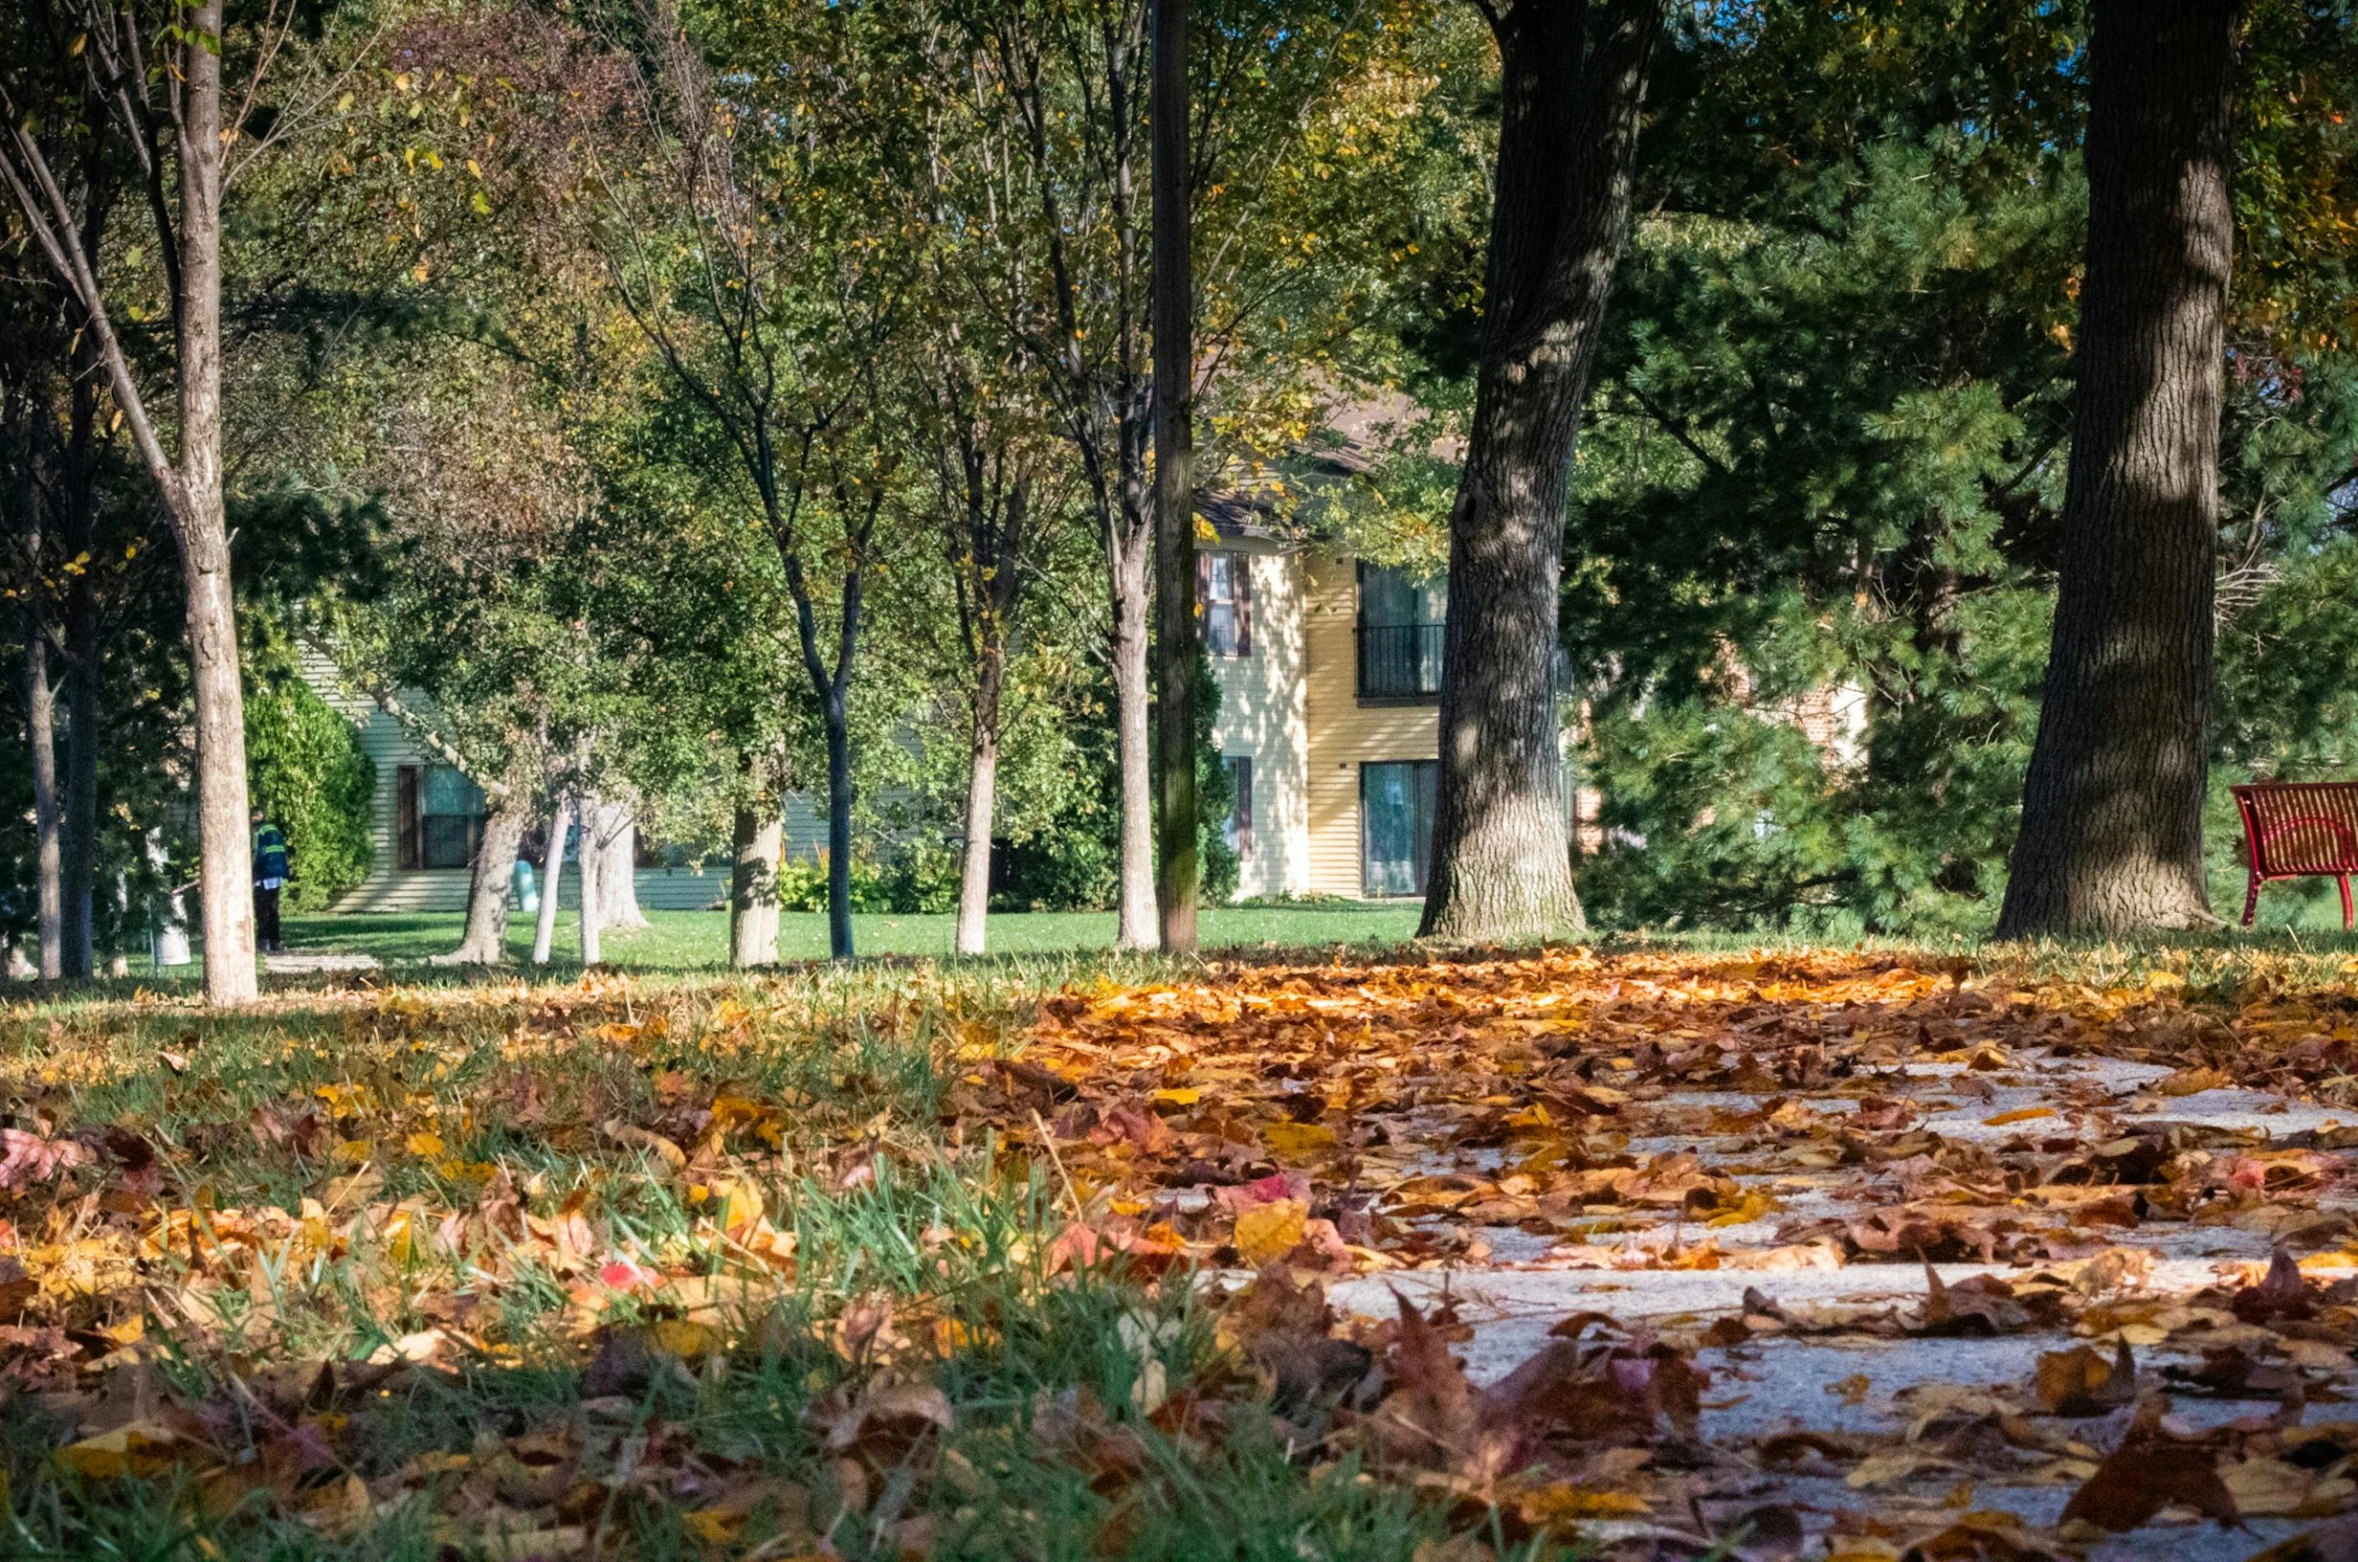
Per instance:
(1432,1417)
(2135,1484)
(2083,1381)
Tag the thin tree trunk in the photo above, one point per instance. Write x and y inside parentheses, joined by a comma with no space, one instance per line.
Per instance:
(982,798)
(591,953)
(1501,864)
(839,830)
(83,650)
(486,939)
(1134,903)
(753,886)
(2111,838)
(544,930)
(83,736)
(1178,879)
(40,728)
(212,612)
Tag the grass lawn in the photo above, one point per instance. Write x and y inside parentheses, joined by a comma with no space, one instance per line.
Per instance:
(902,1261)
(693,940)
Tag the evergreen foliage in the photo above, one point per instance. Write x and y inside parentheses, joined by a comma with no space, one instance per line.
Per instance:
(309,776)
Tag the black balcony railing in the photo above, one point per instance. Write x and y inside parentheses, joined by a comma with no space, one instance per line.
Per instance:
(1399,661)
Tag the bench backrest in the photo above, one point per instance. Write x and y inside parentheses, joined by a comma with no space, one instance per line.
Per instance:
(2300,826)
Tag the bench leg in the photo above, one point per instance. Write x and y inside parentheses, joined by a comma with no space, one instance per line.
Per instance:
(2346,922)
(2251,901)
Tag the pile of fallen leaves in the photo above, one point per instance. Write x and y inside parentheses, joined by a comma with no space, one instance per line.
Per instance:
(610,1267)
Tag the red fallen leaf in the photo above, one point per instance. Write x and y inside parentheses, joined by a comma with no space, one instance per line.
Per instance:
(29,1158)
(1128,1125)
(2139,1481)
(1239,1197)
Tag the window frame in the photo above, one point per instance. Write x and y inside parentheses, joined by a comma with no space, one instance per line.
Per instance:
(411,833)
(1426,777)
(1424,650)
(1239,601)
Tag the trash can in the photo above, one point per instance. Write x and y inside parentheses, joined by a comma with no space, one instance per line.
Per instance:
(527,889)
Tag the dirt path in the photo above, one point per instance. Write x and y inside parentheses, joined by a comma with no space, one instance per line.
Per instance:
(1726,1178)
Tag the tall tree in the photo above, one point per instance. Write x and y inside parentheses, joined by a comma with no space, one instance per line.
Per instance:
(171,114)
(1573,83)
(770,311)
(2111,838)
(1178,872)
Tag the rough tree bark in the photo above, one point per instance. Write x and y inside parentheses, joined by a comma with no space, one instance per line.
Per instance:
(544,928)
(1573,81)
(212,610)
(617,836)
(591,952)
(41,730)
(1178,874)
(2111,838)
(1134,902)
(753,886)
(191,484)
(486,939)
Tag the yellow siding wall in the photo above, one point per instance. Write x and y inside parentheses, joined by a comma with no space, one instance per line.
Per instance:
(1343,733)
(390,888)
(1262,717)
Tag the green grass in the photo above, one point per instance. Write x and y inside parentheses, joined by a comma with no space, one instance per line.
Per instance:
(697,940)
(952,1234)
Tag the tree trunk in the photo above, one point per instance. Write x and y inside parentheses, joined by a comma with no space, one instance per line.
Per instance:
(544,929)
(982,799)
(212,612)
(83,649)
(617,833)
(83,735)
(2111,838)
(753,886)
(839,830)
(1134,901)
(41,729)
(1501,865)
(1179,873)
(591,952)
(486,938)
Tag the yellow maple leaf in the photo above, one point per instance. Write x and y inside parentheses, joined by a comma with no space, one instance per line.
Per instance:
(1267,1232)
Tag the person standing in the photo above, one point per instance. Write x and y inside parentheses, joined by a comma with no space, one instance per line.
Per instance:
(270,876)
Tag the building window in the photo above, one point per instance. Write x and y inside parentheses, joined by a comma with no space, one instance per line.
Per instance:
(1224,592)
(1396,825)
(1401,622)
(441,816)
(1238,832)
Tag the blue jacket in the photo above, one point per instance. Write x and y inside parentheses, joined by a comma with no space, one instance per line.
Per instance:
(270,853)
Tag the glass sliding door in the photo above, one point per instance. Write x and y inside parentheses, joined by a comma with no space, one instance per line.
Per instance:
(1396,825)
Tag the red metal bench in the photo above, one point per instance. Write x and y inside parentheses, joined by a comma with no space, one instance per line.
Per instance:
(2299,829)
